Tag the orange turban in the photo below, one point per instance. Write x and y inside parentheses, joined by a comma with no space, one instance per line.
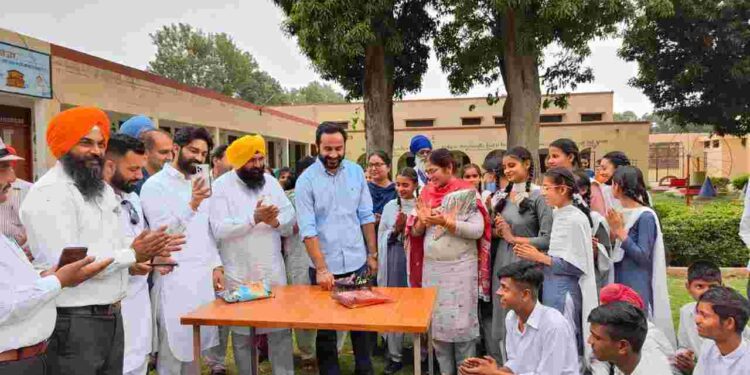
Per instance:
(620,293)
(68,127)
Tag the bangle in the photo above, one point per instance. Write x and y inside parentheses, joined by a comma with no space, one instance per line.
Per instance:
(373,255)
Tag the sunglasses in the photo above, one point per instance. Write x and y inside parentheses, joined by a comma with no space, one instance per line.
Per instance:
(132,212)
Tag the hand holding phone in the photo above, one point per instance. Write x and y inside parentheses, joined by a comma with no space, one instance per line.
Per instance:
(71,254)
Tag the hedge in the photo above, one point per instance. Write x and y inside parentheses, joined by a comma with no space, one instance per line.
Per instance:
(704,231)
(740,181)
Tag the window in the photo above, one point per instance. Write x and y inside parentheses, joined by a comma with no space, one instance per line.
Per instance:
(588,117)
(231,138)
(500,120)
(707,144)
(551,118)
(342,124)
(468,121)
(419,123)
(271,158)
(716,143)
(664,154)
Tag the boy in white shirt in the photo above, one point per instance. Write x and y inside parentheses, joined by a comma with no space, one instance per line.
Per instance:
(702,275)
(721,316)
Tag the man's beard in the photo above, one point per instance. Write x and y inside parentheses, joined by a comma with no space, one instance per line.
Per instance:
(419,163)
(187,165)
(253,178)
(287,185)
(86,173)
(120,183)
(329,162)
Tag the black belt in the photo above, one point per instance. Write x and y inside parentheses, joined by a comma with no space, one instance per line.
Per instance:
(106,310)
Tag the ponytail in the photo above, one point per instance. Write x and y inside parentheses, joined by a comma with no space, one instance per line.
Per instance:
(564,177)
(630,181)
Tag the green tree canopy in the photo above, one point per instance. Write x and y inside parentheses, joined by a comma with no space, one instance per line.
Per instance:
(212,61)
(374,49)
(625,116)
(315,92)
(694,62)
(481,42)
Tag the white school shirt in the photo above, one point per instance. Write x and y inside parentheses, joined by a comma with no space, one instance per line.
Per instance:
(745,222)
(27,300)
(165,198)
(56,216)
(652,363)
(249,251)
(136,307)
(688,336)
(547,346)
(711,362)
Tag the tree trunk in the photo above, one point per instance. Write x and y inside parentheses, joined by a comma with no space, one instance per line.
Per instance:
(378,98)
(521,107)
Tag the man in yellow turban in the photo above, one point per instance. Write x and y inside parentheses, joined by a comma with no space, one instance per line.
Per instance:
(249,214)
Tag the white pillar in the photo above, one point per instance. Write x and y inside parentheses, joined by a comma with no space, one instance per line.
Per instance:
(217,137)
(44,110)
(285,153)
(155,120)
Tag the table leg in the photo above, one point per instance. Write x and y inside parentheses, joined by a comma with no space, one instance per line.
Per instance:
(430,359)
(418,354)
(253,353)
(196,349)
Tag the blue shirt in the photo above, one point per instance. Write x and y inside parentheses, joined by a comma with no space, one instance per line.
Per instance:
(333,207)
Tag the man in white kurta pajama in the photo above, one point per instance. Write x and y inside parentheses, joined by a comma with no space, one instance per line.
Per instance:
(170,199)
(249,214)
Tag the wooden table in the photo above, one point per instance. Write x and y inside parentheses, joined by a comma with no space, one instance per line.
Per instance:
(310,307)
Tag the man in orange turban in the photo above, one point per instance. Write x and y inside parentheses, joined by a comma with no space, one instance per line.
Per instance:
(78,138)
(72,207)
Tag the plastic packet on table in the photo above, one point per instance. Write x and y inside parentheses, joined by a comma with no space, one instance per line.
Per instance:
(353,292)
(249,291)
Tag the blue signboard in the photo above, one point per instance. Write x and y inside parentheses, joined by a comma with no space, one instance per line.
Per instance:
(26,72)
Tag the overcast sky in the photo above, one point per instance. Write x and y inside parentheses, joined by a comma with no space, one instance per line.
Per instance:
(118,31)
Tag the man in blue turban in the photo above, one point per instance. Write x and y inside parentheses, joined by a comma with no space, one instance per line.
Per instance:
(136,125)
(421,147)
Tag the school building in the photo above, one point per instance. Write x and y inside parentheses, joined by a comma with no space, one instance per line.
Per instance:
(39,79)
(475,131)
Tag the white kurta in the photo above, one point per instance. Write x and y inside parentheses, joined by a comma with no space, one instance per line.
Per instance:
(250,251)
(165,198)
(660,313)
(570,240)
(546,346)
(136,306)
(711,362)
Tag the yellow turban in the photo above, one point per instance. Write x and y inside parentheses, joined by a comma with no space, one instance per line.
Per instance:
(243,149)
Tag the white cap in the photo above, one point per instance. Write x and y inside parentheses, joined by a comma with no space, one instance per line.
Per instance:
(5,154)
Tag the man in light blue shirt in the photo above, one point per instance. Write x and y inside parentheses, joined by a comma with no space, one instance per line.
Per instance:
(334,214)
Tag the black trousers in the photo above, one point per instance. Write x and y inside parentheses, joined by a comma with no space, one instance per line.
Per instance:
(325,344)
(29,366)
(86,341)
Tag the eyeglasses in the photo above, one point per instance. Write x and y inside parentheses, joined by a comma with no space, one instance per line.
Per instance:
(375,165)
(546,188)
(423,152)
(134,217)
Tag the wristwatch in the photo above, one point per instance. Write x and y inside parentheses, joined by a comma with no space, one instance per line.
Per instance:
(373,255)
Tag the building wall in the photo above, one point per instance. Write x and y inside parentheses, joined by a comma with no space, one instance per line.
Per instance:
(726,156)
(479,140)
(81,79)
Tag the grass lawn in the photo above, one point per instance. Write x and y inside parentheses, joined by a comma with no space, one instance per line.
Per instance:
(677,292)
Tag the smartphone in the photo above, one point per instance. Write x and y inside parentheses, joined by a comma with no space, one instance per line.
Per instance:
(203,171)
(163,264)
(72,254)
